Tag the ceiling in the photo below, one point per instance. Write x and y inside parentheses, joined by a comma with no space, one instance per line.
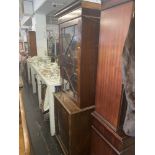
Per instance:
(49,8)
(52,6)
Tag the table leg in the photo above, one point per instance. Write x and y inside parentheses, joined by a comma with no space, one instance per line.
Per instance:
(51,110)
(39,90)
(28,71)
(33,81)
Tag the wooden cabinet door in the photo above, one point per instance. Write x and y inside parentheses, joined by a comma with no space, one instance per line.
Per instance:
(70,69)
(114,26)
(62,126)
(32,43)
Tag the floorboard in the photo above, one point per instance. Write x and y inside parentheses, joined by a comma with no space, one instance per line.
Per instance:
(21,141)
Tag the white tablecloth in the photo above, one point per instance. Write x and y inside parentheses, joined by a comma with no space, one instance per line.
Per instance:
(49,98)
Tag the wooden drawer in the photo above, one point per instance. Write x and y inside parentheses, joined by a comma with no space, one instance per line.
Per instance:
(99,145)
(103,137)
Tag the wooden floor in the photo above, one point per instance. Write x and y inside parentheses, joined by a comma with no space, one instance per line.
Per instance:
(42,142)
(21,140)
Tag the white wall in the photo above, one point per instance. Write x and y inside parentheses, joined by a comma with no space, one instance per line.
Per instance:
(33,23)
(39,26)
(23,36)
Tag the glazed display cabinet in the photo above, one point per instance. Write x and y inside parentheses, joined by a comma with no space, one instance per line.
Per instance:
(79,36)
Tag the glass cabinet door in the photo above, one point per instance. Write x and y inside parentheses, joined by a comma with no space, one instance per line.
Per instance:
(69,59)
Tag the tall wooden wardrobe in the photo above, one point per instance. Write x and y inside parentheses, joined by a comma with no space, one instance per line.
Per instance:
(79,35)
(108,137)
(31,39)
